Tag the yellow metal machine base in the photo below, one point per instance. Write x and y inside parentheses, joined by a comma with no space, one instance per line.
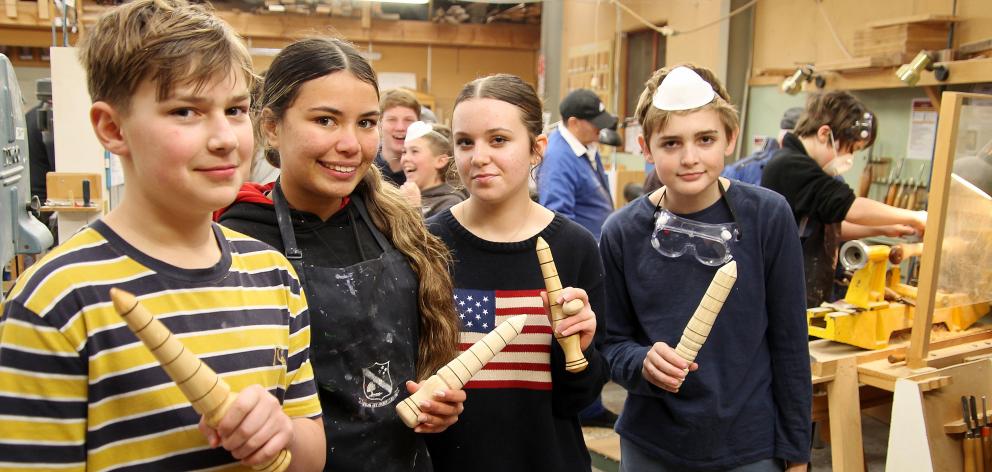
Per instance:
(866,319)
(872,328)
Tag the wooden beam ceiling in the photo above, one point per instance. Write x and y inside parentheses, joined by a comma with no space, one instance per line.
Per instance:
(27,28)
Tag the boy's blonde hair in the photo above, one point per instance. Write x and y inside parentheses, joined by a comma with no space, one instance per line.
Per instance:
(653,120)
(399,98)
(170,42)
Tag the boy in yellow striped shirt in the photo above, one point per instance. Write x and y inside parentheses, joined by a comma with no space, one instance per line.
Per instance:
(78,391)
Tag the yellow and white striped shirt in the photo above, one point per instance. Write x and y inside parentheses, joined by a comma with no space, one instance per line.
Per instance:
(78,391)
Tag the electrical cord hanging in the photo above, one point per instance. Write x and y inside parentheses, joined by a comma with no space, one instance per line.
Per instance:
(669,31)
(833,32)
(664,30)
(727,17)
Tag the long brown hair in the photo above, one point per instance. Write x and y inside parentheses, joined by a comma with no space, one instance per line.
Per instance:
(429,258)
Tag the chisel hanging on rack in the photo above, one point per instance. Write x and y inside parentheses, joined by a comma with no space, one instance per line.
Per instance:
(969,444)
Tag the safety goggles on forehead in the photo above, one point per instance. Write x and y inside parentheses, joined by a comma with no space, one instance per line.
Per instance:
(861,129)
(674,236)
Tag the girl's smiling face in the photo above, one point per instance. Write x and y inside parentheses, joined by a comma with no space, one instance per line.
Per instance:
(326,140)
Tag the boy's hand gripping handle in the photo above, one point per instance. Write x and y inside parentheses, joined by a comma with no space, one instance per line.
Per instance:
(210,395)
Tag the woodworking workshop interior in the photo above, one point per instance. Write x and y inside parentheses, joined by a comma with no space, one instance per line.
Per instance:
(496,235)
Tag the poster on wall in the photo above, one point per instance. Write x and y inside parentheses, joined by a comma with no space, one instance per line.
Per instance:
(922,129)
(395,80)
(631,131)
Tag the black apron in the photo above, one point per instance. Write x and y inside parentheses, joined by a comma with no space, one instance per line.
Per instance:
(363,348)
(820,248)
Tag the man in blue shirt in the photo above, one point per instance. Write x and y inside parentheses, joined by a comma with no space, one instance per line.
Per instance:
(571,179)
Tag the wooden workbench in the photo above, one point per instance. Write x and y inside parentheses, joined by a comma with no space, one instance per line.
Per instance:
(853,378)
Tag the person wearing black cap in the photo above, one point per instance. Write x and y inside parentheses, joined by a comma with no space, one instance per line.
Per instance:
(750,168)
(571,180)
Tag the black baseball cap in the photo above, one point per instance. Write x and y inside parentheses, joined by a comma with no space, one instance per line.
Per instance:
(585,105)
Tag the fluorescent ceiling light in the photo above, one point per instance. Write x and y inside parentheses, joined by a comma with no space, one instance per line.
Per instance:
(267,52)
(421,2)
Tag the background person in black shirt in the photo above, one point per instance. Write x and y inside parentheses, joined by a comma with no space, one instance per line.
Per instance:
(833,127)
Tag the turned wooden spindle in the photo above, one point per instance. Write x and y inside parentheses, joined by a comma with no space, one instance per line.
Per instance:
(574,360)
(210,395)
(702,320)
(455,374)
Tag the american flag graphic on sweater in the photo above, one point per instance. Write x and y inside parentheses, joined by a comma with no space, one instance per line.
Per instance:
(526,362)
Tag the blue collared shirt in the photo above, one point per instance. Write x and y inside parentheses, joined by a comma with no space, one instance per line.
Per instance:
(572,181)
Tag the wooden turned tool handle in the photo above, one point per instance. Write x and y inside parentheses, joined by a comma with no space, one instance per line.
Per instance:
(891,196)
(210,395)
(970,446)
(575,361)
(987,452)
(455,374)
(702,320)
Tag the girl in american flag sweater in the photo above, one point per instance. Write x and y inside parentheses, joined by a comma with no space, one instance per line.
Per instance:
(521,412)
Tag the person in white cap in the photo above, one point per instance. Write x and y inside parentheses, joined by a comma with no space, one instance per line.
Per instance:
(744,404)
(429,169)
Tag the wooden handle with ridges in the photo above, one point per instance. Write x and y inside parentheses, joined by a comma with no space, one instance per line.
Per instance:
(574,360)
(702,320)
(210,395)
(970,446)
(455,374)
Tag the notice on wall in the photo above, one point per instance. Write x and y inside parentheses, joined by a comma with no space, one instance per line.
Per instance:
(922,129)
(396,80)
(630,133)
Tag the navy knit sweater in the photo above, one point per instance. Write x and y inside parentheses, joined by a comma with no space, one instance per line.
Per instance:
(522,410)
(750,399)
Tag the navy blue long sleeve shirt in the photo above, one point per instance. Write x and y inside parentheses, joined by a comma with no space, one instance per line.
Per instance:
(750,399)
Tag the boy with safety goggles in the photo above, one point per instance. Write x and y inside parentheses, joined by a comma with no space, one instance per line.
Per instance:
(744,405)
(833,127)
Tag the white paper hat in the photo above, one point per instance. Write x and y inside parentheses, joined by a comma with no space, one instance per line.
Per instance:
(682,89)
(417,129)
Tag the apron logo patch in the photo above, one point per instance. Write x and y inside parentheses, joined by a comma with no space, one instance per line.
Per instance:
(377,385)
